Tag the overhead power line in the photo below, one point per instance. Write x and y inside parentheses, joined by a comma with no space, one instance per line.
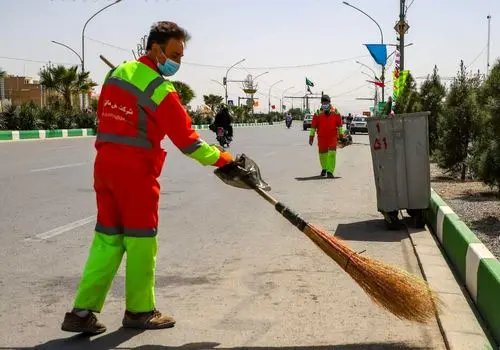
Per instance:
(35,61)
(243,67)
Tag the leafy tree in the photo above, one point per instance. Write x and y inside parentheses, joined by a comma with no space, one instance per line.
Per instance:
(296,113)
(186,94)
(487,162)
(432,94)
(460,124)
(3,73)
(68,82)
(408,100)
(213,101)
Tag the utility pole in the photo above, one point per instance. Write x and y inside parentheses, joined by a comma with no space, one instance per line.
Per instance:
(488,57)
(402,32)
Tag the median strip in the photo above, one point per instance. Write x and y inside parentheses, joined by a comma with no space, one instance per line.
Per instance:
(18,135)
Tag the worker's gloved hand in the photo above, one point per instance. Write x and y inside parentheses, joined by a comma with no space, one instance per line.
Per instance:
(228,157)
(311,140)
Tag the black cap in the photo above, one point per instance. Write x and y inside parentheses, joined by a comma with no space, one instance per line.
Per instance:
(325,98)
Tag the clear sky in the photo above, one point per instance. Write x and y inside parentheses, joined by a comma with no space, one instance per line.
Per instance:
(268,33)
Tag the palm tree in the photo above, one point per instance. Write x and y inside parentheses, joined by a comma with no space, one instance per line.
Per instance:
(213,101)
(186,94)
(67,82)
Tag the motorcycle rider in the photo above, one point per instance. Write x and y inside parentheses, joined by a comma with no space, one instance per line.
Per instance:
(223,119)
(288,119)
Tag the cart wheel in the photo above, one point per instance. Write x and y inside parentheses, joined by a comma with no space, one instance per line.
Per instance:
(418,217)
(392,220)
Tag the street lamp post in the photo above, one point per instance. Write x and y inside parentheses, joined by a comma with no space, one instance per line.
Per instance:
(82,97)
(261,74)
(269,97)
(283,94)
(225,78)
(83,38)
(85,26)
(69,48)
(382,77)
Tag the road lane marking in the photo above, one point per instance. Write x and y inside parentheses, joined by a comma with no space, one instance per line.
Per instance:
(57,167)
(62,229)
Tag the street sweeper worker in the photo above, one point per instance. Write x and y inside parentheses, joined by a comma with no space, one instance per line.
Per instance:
(137,108)
(328,124)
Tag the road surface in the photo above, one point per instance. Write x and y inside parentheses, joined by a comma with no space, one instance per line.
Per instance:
(230,269)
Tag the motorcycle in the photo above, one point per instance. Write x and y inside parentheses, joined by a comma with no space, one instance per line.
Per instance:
(222,137)
(288,122)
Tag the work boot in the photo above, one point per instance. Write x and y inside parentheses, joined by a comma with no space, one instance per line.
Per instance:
(323,173)
(147,320)
(329,175)
(86,324)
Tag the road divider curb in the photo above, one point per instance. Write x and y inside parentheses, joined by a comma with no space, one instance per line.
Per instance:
(476,266)
(17,135)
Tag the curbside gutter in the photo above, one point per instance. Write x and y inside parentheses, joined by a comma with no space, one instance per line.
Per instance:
(477,267)
(17,135)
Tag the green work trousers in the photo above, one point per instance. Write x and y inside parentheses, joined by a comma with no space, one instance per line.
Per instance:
(328,160)
(105,257)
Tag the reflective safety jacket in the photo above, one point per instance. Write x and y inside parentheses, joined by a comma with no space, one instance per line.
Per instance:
(137,108)
(328,127)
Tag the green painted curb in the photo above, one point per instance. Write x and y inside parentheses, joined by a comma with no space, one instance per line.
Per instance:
(5,135)
(16,135)
(478,269)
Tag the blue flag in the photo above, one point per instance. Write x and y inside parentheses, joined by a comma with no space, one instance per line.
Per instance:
(378,52)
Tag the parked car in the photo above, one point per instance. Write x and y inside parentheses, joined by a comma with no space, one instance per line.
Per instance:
(359,124)
(307,121)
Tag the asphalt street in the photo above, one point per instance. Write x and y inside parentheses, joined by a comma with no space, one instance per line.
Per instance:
(231,270)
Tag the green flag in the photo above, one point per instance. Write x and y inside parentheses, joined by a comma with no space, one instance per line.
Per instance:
(309,83)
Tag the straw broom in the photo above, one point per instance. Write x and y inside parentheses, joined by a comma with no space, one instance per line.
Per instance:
(405,295)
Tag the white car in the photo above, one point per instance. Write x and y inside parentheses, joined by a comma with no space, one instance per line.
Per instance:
(307,121)
(359,124)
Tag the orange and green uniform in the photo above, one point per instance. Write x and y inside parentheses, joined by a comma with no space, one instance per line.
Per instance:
(328,127)
(137,108)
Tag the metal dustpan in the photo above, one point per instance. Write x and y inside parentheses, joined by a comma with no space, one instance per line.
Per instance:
(242,173)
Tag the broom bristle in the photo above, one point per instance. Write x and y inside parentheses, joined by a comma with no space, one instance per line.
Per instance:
(405,295)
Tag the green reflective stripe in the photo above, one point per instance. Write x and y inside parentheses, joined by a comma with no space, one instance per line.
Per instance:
(193,147)
(162,91)
(110,231)
(135,232)
(312,132)
(206,154)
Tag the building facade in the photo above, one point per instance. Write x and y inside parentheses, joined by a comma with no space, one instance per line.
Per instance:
(19,90)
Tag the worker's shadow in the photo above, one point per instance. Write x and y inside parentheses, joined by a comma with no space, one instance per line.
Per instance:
(112,340)
(316,177)
(370,231)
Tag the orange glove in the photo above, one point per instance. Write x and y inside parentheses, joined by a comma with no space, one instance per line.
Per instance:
(225,157)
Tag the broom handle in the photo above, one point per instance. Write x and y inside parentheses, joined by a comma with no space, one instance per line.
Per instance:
(107,62)
(287,213)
